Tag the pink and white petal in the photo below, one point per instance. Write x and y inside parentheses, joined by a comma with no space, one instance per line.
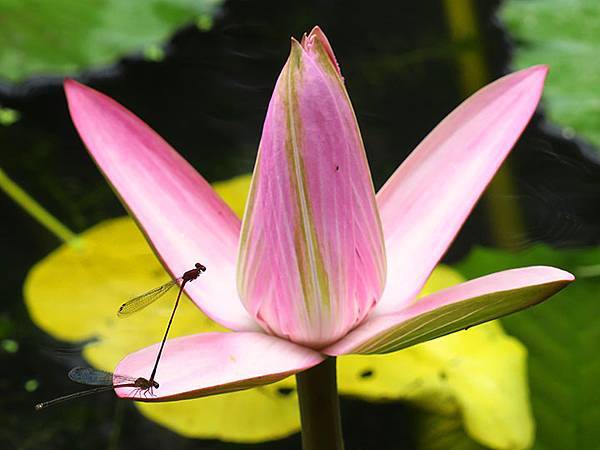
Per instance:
(424,204)
(454,308)
(311,262)
(214,363)
(180,214)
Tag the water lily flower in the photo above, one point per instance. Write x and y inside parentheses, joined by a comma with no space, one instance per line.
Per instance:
(320,266)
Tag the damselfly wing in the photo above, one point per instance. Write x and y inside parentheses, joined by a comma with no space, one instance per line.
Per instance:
(147,298)
(103,381)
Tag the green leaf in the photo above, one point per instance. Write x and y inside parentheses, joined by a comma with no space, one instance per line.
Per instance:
(562,336)
(564,34)
(62,37)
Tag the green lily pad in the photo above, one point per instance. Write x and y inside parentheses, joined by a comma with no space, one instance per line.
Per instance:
(562,337)
(62,37)
(564,34)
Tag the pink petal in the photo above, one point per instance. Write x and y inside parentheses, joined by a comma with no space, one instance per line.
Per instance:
(426,201)
(180,214)
(214,363)
(452,309)
(311,262)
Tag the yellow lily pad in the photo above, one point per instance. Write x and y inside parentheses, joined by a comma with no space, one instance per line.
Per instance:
(479,373)
(251,416)
(234,192)
(74,293)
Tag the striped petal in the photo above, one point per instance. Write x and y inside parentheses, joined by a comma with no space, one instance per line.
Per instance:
(452,309)
(182,217)
(214,363)
(426,201)
(311,262)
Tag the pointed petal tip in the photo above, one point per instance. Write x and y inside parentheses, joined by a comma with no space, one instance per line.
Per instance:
(317,33)
(306,38)
(296,51)
(534,74)
(316,29)
(542,275)
(542,68)
(528,81)
(71,84)
(540,71)
(570,276)
(558,274)
(317,37)
(77,92)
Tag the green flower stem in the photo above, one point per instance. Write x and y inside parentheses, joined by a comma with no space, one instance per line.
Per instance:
(505,215)
(320,407)
(37,211)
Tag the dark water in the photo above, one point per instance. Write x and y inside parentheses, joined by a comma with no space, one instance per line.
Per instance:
(208,99)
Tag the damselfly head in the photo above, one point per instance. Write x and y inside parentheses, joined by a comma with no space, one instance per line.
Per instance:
(192,274)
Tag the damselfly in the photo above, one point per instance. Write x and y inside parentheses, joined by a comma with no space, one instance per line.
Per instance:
(104,381)
(141,301)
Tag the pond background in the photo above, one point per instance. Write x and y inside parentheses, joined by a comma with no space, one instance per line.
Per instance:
(207,97)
